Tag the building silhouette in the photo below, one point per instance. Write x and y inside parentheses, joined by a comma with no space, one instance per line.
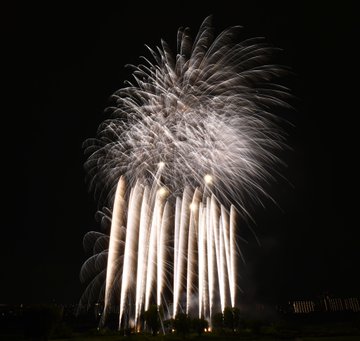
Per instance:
(325,304)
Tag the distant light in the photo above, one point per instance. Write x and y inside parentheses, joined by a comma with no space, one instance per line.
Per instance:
(163,191)
(208,178)
(193,206)
(161,164)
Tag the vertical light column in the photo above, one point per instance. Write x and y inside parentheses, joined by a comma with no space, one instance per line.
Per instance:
(131,246)
(142,254)
(233,265)
(202,263)
(183,243)
(176,254)
(215,218)
(116,238)
(210,256)
(225,227)
(191,249)
(162,246)
(153,244)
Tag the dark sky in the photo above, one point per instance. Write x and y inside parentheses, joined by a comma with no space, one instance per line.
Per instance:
(62,64)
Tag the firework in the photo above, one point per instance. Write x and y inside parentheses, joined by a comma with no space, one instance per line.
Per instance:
(189,144)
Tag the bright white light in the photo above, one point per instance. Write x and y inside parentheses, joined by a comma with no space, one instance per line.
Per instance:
(161,164)
(163,192)
(193,206)
(208,178)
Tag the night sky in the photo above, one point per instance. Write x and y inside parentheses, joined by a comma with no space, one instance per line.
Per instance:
(62,64)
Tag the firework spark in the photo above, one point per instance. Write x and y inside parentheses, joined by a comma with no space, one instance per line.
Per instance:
(190,141)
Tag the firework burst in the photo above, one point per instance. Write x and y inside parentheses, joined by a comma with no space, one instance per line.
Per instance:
(189,142)
(205,111)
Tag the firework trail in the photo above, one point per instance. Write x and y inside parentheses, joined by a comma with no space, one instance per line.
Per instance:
(189,144)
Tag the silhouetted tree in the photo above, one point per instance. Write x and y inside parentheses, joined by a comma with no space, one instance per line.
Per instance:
(217,321)
(199,325)
(182,324)
(152,319)
(168,325)
(231,318)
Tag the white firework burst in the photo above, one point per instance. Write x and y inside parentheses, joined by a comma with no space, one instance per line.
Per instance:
(189,142)
(205,111)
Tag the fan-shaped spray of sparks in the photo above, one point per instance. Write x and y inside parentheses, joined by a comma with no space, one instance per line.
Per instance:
(189,141)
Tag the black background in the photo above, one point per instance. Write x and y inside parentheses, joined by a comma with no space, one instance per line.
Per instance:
(61,65)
